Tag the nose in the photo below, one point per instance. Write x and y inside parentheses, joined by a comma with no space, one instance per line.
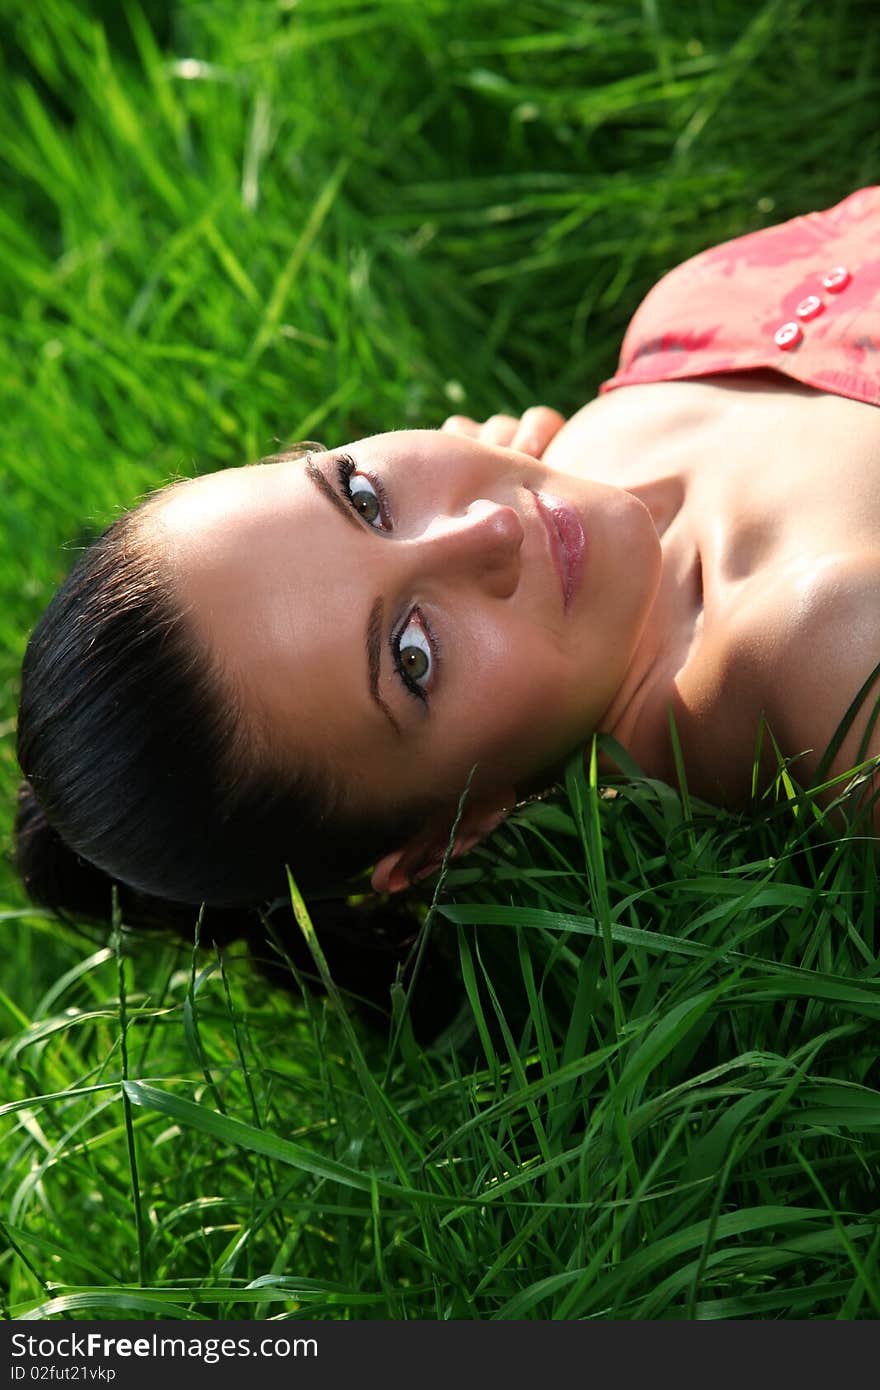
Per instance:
(482,544)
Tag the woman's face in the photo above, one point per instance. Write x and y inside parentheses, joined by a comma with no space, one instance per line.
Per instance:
(402,608)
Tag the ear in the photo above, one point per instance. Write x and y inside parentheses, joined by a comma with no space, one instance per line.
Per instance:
(423,853)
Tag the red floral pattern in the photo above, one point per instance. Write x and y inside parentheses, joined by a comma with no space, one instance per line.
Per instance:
(720,310)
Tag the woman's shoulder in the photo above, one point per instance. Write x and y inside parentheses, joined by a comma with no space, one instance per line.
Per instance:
(798,656)
(825,676)
(782,665)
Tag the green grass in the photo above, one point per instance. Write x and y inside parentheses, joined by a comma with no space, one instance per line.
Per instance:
(227,225)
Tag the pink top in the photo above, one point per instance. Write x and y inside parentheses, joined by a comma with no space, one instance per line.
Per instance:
(802,298)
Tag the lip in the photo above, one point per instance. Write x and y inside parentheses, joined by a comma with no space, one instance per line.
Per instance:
(567,542)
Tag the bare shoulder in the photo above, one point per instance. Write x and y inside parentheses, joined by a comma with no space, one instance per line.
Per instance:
(788,654)
(820,647)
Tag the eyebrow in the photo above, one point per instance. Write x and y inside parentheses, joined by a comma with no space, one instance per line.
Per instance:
(374,621)
(318,477)
(374,639)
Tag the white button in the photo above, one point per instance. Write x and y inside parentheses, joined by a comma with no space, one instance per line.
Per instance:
(788,336)
(810,308)
(836,279)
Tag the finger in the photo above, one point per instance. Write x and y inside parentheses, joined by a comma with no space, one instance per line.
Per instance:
(499,429)
(539,424)
(461,424)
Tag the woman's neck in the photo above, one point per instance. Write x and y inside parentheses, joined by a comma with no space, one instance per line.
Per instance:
(672,629)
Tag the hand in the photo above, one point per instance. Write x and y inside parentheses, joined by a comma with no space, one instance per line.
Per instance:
(530,434)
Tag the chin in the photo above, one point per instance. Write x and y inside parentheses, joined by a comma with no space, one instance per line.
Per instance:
(644,556)
(626,540)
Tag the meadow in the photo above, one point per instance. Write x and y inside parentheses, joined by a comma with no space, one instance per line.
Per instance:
(230,224)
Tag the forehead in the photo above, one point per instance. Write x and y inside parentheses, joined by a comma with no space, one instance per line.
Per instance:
(250,551)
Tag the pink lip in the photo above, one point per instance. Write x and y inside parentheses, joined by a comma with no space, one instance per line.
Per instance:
(566,541)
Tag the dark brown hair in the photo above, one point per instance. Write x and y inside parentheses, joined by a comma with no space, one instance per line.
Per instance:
(140,769)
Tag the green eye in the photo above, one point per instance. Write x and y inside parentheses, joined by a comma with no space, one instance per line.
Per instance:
(415,658)
(414,662)
(363,498)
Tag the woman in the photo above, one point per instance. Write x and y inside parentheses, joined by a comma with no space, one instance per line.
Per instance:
(301,662)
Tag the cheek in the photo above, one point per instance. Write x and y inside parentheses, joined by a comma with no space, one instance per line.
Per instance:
(524,709)
(516,669)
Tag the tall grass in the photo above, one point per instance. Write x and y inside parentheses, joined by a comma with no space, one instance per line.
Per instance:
(231,224)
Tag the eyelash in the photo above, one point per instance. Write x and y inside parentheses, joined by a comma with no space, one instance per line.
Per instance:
(346,466)
(394,642)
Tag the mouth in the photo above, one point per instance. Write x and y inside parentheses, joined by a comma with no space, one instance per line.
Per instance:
(567,542)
